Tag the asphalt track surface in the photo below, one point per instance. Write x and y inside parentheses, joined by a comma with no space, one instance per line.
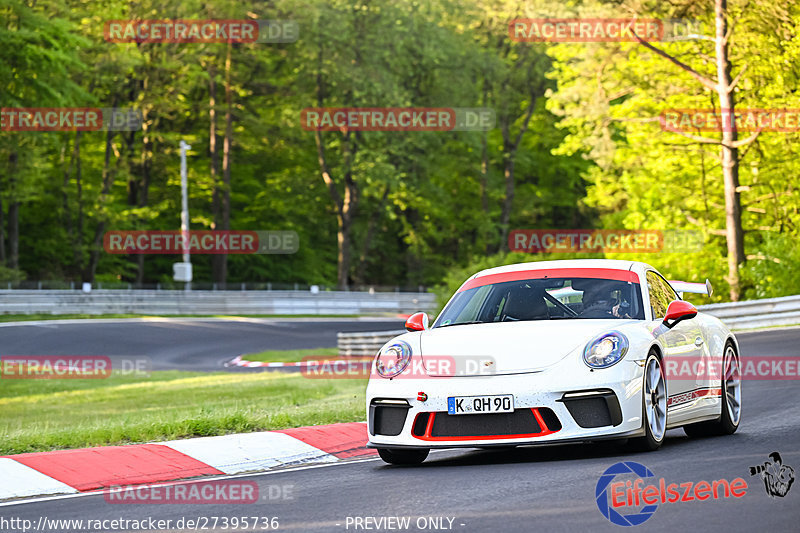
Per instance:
(201,344)
(526,489)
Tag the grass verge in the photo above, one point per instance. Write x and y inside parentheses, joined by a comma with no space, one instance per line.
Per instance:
(291,356)
(41,415)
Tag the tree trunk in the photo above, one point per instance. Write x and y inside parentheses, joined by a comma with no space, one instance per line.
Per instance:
(346,206)
(107,181)
(372,225)
(729,154)
(136,198)
(485,175)
(77,243)
(13,235)
(217,266)
(226,164)
(134,183)
(508,199)
(343,257)
(2,231)
(349,207)
(67,211)
(144,189)
(509,153)
(485,228)
(13,215)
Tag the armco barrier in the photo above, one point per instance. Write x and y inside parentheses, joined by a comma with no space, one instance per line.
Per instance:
(148,302)
(366,343)
(751,314)
(783,311)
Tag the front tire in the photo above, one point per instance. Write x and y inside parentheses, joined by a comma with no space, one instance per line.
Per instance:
(396,456)
(654,406)
(730,401)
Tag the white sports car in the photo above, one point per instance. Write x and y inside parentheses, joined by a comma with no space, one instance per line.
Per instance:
(555,351)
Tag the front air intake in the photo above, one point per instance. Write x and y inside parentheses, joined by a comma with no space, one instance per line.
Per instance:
(387,417)
(593,409)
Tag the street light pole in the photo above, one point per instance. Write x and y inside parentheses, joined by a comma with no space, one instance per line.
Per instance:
(185,217)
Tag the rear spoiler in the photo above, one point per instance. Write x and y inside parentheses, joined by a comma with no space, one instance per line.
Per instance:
(694,288)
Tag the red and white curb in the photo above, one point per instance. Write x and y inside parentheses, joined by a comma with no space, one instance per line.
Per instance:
(90,469)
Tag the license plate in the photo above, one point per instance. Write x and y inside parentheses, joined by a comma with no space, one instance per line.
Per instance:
(470,405)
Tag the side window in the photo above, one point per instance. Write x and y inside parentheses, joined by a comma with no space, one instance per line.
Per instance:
(471,309)
(661,294)
(672,295)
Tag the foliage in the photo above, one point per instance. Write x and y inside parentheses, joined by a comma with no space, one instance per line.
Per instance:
(431,206)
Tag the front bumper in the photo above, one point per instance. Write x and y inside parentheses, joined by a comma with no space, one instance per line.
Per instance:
(563,403)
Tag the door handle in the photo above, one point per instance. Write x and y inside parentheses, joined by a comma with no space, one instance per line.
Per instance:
(698,342)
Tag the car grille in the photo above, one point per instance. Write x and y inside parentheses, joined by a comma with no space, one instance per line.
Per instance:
(521,423)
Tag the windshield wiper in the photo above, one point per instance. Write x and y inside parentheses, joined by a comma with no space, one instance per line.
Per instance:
(462,323)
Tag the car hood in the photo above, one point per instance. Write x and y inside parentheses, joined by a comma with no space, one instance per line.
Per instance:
(506,347)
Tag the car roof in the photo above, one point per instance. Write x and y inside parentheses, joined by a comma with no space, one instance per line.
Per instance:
(615,264)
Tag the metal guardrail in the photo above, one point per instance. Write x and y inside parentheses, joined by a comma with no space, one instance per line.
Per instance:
(738,316)
(60,285)
(163,302)
(363,343)
(751,314)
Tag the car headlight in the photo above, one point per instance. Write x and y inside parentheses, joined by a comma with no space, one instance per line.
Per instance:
(393,360)
(606,350)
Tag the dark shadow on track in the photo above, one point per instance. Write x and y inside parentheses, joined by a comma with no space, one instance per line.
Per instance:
(609,449)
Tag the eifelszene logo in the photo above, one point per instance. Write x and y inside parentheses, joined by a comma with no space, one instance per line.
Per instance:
(778,477)
(615,497)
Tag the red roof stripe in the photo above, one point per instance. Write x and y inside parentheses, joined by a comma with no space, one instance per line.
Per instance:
(521,275)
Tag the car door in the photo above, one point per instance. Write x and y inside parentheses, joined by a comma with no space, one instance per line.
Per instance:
(683,343)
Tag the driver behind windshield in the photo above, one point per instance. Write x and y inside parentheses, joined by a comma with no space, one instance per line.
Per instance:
(604,300)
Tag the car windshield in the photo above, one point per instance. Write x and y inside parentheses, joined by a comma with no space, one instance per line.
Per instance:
(544,299)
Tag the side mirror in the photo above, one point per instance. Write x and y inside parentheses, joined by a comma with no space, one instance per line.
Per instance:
(679,310)
(417,322)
